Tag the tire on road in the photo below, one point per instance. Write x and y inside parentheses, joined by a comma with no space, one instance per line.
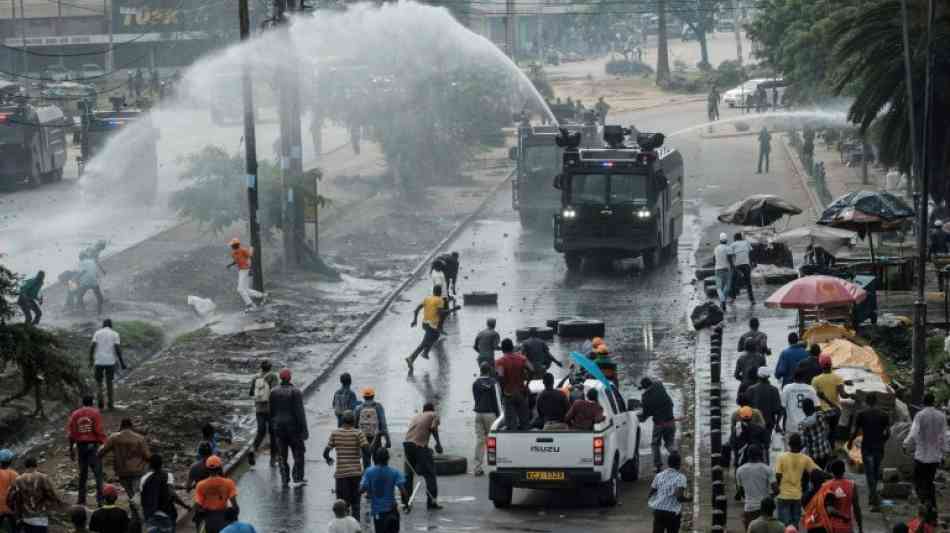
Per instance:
(450,465)
(581,327)
(553,322)
(608,493)
(703,273)
(480,298)
(544,333)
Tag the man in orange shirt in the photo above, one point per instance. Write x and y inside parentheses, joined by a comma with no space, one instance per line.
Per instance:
(214,495)
(7,477)
(242,259)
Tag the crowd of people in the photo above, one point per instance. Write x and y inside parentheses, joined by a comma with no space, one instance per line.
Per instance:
(806,485)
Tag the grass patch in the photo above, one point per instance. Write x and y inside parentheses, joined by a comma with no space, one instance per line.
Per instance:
(193,335)
(140,335)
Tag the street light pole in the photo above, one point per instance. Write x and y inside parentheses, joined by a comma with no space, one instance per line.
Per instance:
(250,153)
(920,304)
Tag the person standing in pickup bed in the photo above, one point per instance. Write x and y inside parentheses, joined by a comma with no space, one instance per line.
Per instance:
(538,353)
(583,414)
(552,407)
(658,405)
(486,412)
(513,370)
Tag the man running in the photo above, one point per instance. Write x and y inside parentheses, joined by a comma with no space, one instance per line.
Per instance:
(658,405)
(242,259)
(130,455)
(29,298)
(487,342)
(433,309)
(290,425)
(928,436)
(419,458)
(89,280)
(85,433)
(349,443)
(371,420)
(379,484)
(261,386)
(104,351)
(538,353)
(450,268)
(214,495)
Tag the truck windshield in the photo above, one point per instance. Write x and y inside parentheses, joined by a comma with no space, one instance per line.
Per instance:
(589,188)
(628,188)
(623,189)
(541,157)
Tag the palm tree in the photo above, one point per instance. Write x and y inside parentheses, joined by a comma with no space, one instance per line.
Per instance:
(871,57)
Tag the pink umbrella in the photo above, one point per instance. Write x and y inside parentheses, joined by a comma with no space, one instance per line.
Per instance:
(816,291)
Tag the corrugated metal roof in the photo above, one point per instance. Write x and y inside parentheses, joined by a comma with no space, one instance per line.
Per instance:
(51,8)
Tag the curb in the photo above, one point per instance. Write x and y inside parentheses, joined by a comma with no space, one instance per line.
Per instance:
(364,328)
(816,206)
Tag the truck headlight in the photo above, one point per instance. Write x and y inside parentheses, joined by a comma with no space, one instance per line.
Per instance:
(569,213)
(643,213)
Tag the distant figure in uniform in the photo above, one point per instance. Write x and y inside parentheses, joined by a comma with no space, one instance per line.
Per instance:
(139,83)
(749,100)
(774,98)
(602,107)
(765,148)
(712,104)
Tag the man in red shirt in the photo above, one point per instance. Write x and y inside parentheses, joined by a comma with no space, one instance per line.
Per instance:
(242,259)
(513,370)
(85,434)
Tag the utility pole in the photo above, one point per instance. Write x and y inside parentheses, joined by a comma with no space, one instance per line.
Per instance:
(920,304)
(736,17)
(291,157)
(911,108)
(510,28)
(107,12)
(26,60)
(250,152)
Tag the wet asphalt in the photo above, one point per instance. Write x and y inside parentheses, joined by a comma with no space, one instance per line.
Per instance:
(647,325)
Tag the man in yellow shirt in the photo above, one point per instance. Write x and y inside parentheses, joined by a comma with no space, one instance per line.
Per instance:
(830,389)
(788,476)
(433,309)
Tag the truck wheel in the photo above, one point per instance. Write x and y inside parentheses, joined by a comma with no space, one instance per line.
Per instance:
(574,262)
(652,258)
(630,471)
(35,179)
(608,494)
(450,465)
(544,333)
(673,249)
(581,328)
(500,494)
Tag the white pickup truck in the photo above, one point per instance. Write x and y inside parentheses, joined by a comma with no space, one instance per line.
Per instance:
(568,459)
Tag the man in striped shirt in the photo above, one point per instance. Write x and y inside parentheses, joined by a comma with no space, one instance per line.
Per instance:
(349,444)
(667,494)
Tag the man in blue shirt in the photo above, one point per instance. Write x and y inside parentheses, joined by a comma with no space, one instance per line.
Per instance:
(789,358)
(379,483)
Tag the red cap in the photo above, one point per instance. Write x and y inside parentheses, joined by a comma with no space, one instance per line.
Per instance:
(285,374)
(213,462)
(110,490)
(825,361)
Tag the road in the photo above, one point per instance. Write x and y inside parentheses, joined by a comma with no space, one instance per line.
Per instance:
(647,330)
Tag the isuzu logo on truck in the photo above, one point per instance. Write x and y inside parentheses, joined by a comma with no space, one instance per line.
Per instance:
(546,449)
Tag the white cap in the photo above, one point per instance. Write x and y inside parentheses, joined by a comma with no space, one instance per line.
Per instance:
(938,223)
(723,237)
(763,372)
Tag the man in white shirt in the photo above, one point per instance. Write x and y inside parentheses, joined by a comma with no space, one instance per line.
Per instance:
(724,265)
(927,435)
(103,354)
(742,274)
(792,396)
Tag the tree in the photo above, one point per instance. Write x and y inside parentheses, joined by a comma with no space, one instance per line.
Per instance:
(37,353)
(217,200)
(662,45)
(699,16)
(872,70)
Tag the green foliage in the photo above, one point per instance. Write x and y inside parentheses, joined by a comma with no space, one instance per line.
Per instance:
(540,81)
(217,195)
(140,335)
(39,353)
(9,287)
(729,74)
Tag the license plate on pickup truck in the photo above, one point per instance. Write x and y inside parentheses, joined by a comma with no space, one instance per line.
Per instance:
(545,475)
